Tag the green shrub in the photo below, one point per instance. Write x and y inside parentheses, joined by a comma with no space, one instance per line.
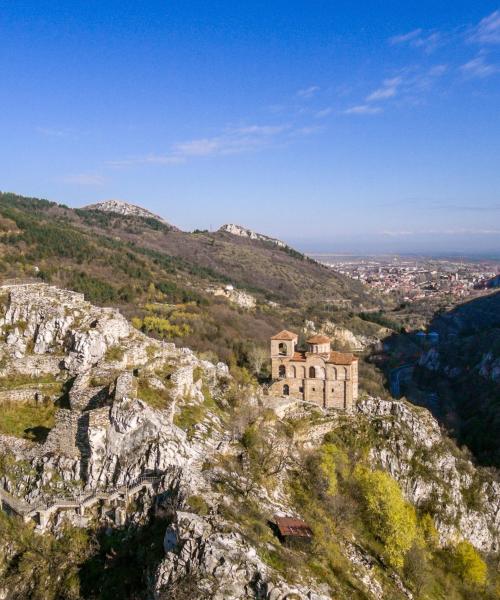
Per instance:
(189,416)
(156,398)
(198,505)
(114,354)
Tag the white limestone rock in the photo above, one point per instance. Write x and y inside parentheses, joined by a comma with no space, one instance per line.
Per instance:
(222,564)
(248,233)
(126,209)
(413,450)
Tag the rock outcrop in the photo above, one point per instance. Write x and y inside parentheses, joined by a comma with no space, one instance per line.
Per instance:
(129,210)
(224,565)
(104,434)
(251,235)
(434,474)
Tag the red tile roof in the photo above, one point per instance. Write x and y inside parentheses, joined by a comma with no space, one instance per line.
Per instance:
(285,335)
(341,358)
(299,356)
(289,526)
(318,339)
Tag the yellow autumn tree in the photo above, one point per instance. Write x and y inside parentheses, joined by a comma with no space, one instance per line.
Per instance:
(469,565)
(390,517)
(427,531)
(327,466)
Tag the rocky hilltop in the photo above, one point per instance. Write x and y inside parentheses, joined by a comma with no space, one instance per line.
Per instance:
(251,235)
(142,438)
(128,210)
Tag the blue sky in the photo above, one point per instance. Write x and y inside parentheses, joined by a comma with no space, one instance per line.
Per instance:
(367,126)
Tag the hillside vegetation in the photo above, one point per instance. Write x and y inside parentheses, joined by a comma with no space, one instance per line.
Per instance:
(160,275)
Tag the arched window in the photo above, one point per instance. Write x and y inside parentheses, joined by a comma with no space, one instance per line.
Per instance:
(294,372)
(282,349)
(282,371)
(286,390)
(312,372)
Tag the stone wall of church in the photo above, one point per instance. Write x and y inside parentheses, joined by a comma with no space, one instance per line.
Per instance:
(280,346)
(333,386)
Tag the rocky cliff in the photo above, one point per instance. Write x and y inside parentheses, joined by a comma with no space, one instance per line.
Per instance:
(463,370)
(144,432)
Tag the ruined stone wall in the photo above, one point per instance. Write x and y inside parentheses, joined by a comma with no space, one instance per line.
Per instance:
(22,396)
(62,439)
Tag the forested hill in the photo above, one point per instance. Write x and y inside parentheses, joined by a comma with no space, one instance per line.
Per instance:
(140,263)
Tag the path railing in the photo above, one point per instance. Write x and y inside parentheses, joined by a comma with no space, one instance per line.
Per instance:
(78,500)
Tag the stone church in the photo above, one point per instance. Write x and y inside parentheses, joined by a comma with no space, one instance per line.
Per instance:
(316,374)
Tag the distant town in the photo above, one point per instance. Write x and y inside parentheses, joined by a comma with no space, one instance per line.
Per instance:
(417,278)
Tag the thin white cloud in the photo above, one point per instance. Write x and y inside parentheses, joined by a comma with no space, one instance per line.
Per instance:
(409,85)
(311,130)
(382,94)
(321,114)
(405,37)
(417,38)
(437,70)
(234,140)
(259,129)
(430,42)
(151,159)
(397,233)
(308,92)
(478,68)
(388,89)
(487,31)
(83,179)
(200,147)
(50,132)
(363,109)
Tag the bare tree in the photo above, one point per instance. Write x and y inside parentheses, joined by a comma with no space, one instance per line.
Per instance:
(257,356)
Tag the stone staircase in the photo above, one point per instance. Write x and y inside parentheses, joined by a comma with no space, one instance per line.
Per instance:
(80,501)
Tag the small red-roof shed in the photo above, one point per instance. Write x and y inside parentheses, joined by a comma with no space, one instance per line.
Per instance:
(292,528)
